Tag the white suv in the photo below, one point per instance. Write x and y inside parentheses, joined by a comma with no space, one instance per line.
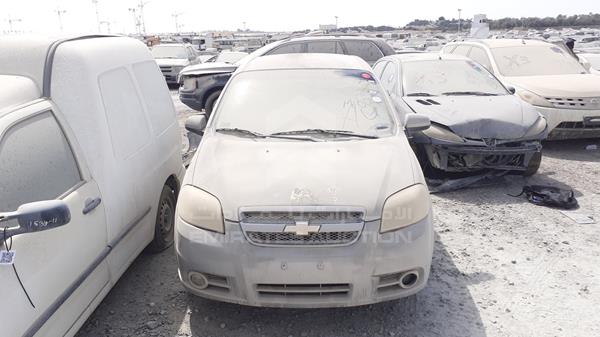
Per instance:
(545,75)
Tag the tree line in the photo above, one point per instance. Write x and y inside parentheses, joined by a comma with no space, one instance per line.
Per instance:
(583,20)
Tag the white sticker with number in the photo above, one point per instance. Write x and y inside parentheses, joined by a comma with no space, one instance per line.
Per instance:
(7,257)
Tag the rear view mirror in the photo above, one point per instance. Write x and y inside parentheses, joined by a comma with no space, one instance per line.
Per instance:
(36,217)
(414,122)
(196,124)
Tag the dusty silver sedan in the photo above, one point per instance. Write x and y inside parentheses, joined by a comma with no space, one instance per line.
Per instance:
(304,191)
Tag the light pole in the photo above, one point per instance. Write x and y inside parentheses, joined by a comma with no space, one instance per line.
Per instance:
(176,17)
(95,2)
(336,22)
(60,13)
(107,23)
(142,18)
(459,11)
(10,24)
(136,22)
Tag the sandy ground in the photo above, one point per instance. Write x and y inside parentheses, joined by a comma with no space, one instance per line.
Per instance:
(501,267)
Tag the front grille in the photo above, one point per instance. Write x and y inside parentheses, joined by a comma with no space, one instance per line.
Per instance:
(312,239)
(585,103)
(166,69)
(577,126)
(290,218)
(304,290)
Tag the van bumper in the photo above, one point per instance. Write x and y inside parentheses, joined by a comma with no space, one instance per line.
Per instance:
(364,272)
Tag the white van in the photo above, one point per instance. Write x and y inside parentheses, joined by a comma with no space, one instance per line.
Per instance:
(88,133)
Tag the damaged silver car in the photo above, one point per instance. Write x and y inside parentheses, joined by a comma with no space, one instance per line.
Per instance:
(304,191)
(477,123)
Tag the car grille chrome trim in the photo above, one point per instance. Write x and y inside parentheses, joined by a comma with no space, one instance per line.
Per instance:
(322,238)
(302,227)
(581,103)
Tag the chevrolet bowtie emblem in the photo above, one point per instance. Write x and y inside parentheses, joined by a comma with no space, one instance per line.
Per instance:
(302,228)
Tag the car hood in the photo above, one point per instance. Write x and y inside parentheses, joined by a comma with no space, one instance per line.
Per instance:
(172,62)
(477,117)
(576,85)
(209,68)
(243,172)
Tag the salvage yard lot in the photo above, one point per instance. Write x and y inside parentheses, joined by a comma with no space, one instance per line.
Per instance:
(501,267)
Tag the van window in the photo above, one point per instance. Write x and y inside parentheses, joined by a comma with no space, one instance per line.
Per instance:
(378,69)
(156,97)
(329,47)
(292,48)
(366,50)
(126,119)
(388,78)
(36,162)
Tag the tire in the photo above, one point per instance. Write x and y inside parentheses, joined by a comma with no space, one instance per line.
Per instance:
(210,102)
(164,227)
(534,165)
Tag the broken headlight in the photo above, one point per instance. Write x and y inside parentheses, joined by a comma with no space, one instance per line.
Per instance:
(201,209)
(537,128)
(405,208)
(440,133)
(534,99)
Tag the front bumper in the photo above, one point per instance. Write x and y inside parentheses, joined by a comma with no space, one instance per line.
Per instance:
(303,277)
(571,123)
(465,158)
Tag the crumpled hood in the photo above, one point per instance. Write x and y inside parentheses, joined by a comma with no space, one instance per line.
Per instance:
(209,68)
(243,172)
(576,85)
(477,117)
(172,62)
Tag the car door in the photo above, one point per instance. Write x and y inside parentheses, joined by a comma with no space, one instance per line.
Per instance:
(39,160)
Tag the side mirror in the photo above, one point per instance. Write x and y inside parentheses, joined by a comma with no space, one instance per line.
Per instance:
(511,89)
(196,124)
(36,217)
(414,122)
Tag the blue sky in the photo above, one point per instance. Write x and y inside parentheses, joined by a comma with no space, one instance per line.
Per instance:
(79,17)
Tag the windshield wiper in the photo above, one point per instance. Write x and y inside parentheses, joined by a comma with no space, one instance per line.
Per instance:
(423,94)
(468,93)
(254,134)
(324,131)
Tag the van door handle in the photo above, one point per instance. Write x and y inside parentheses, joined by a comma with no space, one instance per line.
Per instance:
(91,204)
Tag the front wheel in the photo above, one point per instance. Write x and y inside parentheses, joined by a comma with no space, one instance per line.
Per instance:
(165,221)
(534,164)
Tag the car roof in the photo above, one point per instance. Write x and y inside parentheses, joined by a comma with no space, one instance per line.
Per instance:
(305,61)
(500,43)
(404,58)
(331,37)
(16,90)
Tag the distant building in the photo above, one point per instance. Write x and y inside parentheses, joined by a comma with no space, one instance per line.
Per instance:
(480,28)
(327,27)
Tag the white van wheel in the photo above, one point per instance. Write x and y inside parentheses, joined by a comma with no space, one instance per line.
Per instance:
(165,221)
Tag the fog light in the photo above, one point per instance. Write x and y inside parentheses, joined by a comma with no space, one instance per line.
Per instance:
(198,280)
(409,279)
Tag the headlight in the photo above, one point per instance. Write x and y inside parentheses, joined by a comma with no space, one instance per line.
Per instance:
(537,128)
(439,133)
(405,208)
(534,99)
(201,209)
(189,83)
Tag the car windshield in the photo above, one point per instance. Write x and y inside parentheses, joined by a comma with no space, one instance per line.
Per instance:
(594,60)
(230,57)
(290,101)
(448,77)
(535,61)
(169,52)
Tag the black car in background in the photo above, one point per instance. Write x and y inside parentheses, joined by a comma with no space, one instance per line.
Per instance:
(201,85)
